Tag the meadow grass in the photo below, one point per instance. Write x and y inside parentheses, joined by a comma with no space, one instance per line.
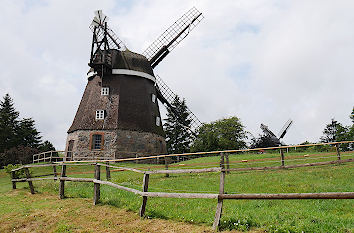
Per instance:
(243,215)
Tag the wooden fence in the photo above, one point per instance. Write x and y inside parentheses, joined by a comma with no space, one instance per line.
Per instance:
(223,169)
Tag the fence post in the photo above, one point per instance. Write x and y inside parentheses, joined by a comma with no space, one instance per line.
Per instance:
(55,172)
(51,155)
(28,176)
(221,191)
(227,163)
(282,157)
(145,189)
(166,166)
(96,186)
(62,182)
(13,176)
(337,150)
(108,172)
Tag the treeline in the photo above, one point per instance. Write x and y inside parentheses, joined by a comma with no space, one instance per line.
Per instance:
(230,133)
(19,138)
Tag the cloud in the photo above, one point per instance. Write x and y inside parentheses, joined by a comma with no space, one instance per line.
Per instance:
(263,60)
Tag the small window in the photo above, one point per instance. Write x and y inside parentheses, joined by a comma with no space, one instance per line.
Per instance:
(99,114)
(105,91)
(97,142)
(153,98)
(158,122)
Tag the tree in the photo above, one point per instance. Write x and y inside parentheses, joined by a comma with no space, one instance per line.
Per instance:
(27,133)
(46,146)
(334,132)
(224,134)
(19,138)
(263,141)
(8,124)
(178,135)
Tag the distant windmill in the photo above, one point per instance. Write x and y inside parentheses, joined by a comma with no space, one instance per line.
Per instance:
(118,115)
(281,133)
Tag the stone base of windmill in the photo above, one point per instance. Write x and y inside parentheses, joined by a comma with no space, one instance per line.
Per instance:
(116,144)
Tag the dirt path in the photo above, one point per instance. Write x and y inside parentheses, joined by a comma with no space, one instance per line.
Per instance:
(45,213)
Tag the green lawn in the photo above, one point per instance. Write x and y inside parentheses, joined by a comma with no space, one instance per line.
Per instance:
(244,215)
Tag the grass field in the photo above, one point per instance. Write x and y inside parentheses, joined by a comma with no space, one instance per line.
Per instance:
(242,215)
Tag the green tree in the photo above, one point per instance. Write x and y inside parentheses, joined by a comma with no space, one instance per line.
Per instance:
(334,132)
(8,124)
(224,134)
(46,146)
(27,133)
(176,127)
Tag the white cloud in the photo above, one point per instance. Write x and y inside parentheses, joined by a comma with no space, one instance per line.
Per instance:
(263,60)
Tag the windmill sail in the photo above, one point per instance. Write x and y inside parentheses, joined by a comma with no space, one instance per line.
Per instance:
(166,96)
(285,128)
(159,49)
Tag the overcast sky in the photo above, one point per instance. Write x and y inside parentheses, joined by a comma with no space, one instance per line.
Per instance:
(264,61)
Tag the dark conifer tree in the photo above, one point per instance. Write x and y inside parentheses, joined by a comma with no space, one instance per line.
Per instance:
(8,124)
(178,135)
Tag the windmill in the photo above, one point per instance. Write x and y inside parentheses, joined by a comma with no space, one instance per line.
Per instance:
(281,134)
(119,115)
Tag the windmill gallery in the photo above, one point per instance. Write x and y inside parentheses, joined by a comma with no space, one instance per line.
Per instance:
(119,115)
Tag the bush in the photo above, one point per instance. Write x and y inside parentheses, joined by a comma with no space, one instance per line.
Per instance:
(18,173)
(17,155)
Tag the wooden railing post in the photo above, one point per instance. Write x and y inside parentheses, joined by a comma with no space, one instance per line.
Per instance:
(227,163)
(221,191)
(28,176)
(13,176)
(282,157)
(166,166)
(96,186)
(108,172)
(338,151)
(145,189)
(62,183)
(55,172)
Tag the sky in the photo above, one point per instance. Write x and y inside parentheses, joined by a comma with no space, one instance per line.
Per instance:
(264,61)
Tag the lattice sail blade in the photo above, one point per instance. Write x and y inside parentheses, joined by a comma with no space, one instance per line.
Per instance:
(285,128)
(100,29)
(166,96)
(172,36)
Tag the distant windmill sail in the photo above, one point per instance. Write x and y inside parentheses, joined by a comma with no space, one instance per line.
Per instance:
(285,128)
(166,96)
(159,49)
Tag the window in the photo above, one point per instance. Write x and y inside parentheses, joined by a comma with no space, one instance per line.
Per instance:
(105,91)
(158,121)
(97,141)
(153,98)
(99,114)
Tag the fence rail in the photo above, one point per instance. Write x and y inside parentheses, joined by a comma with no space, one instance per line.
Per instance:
(223,169)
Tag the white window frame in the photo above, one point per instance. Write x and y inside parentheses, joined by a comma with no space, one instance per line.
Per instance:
(105,91)
(158,121)
(99,115)
(153,98)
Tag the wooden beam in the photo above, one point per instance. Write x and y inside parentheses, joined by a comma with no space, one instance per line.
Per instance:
(338,151)
(178,171)
(118,186)
(253,196)
(62,182)
(28,175)
(13,176)
(218,211)
(96,186)
(292,166)
(282,157)
(145,189)
(108,172)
